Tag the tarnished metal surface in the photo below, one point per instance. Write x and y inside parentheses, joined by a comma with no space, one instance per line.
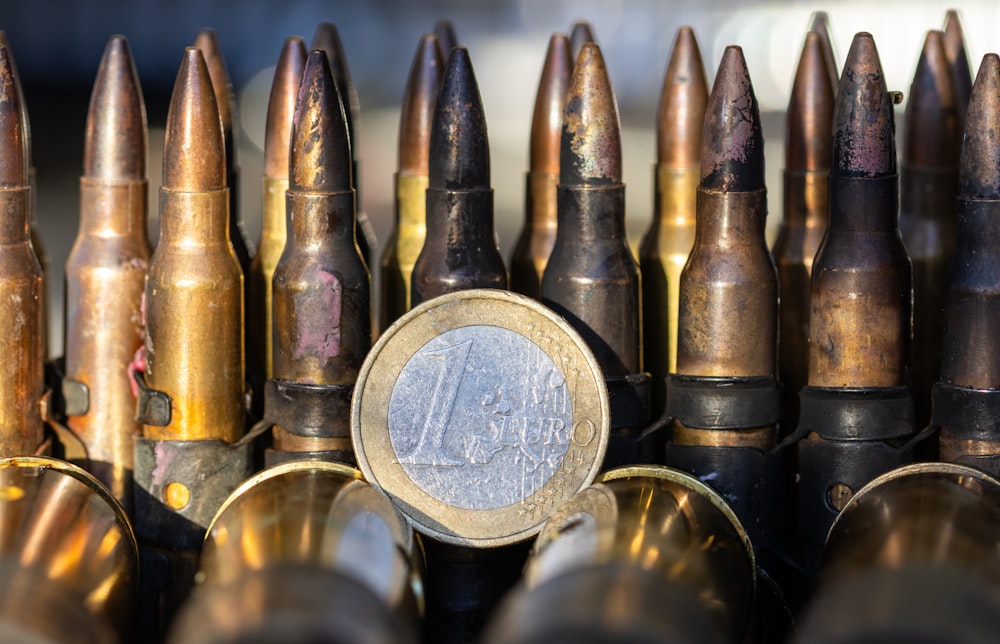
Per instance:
(958,62)
(68,557)
(106,273)
(478,413)
(21,291)
(534,244)
(637,527)
(460,249)
(407,237)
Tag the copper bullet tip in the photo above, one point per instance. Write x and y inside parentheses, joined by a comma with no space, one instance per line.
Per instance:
(417,111)
(979,174)
(321,151)
(591,137)
(446,38)
(194,153)
(14,159)
(808,144)
(579,35)
(820,25)
(958,60)
(732,143)
(115,143)
(931,113)
(864,130)
(460,149)
(550,101)
(224,96)
(683,99)
(20,93)
(327,39)
(281,107)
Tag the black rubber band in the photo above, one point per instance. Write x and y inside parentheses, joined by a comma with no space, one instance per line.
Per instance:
(857,414)
(311,411)
(704,402)
(629,397)
(970,414)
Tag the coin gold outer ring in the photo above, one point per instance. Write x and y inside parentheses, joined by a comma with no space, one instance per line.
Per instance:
(480,528)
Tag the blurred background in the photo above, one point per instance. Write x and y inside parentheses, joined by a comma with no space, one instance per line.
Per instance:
(58,44)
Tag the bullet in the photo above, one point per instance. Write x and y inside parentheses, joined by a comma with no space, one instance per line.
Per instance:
(327,39)
(106,271)
(728,320)
(407,236)
(225,98)
(591,278)
(314,554)
(21,291)
(194,289)
(460,249)
(446,38)
(808,154)
(580,33)
(857,409)
(913,558)
(667,242)
(969,388)
(277,134)
(928,185)
(36,236)
(958,62)
(534,245)
(322,305)
(820,25)
(666,560)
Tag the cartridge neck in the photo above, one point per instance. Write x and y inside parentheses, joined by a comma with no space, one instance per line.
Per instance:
(14,214)
(928,193)
(675,196)
(460,218)
(321,219)
(731,218)
(112,208)
(541,210)
(194,218)
(860,204)
(591,214)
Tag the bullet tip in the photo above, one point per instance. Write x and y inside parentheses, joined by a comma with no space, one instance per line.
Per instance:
(732,142)
(808,144)
(979,174)
(194,153)
(115,142)
(417,110)
(13,151)
(864,129)
(459,146)
(683,98)
(932,137)
(321,150)
(591,146)
(550,102)
(281,107)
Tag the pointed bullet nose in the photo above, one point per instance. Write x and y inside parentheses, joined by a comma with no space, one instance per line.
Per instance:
(979,175)
(460,149)
(820,25)
(281,107)
(207,42)
(808,144)
(958,61)
(683,99)
(115,143)
(591,139)
(13,142)
(417,111)
(580,34)
(550,103)
(732,152)
(864,129)
(446,38)
(932,137)
(327,39)
(321,150)
(194,153)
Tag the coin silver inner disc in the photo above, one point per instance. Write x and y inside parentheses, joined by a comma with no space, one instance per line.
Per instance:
(480,417)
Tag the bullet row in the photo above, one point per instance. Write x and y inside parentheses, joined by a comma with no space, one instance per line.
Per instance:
(191,366)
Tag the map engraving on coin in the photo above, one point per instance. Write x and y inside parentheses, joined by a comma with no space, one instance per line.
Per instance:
(478,413)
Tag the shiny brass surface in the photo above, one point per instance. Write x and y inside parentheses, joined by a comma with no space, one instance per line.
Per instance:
(808,154)
(761,438)
(658,520)
(407,237)
(64,540)
(322,515)
(666,244)
(534,244)
(21,290)
(194,288)
(321,286)
(273,233)
(106,270)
